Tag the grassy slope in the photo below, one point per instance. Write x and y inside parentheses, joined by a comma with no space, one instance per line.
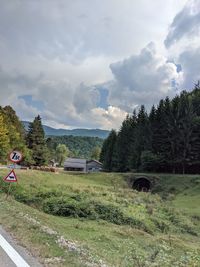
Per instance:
(169,243)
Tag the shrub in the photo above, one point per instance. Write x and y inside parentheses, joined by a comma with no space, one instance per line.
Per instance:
(70,207)
(66,206)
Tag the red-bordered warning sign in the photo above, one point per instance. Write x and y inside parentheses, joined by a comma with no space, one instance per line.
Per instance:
(11,177)
(15,156)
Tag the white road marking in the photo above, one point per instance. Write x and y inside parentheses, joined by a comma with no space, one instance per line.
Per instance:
(12,253)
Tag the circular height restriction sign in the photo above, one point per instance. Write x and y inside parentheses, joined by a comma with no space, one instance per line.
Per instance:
(15,156)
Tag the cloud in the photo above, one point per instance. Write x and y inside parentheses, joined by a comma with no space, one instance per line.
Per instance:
(190,62)
(59,104)
(85,98)
(56,55)
(142,79)
(185,24)
(110,118)
(75,30)
(139,79)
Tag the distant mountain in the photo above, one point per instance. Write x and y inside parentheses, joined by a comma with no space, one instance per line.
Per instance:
(75,132)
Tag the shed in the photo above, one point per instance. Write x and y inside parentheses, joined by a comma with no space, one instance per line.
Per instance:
(94,166)
(75,164)
(82,165)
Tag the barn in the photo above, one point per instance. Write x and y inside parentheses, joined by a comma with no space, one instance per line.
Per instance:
(82,165)
(94,166)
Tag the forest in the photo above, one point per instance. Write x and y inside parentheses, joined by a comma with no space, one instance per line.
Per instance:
(79,146)
(38,149)
(167,139)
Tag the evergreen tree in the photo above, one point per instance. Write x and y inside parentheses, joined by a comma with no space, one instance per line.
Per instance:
(132,158)
(36,142)
(186,130)
(107,152)
(142,135)
(194,164)
(166,140)
(124,145)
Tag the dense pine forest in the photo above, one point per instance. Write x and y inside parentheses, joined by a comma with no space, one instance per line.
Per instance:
(167,139)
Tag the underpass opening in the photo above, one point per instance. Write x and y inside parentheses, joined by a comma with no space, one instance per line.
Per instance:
(142,184)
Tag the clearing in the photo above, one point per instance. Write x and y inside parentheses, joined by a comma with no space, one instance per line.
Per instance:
(98,220)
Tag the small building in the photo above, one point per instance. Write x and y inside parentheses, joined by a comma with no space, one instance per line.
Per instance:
(82,165)
(74,164)
(94,165)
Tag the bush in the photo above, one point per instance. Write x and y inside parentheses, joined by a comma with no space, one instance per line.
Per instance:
(70,207)
(66,206)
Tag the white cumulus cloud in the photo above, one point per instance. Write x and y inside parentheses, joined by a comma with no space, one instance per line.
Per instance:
(143,79)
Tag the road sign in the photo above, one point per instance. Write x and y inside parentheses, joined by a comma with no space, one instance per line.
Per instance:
(15,156)
(11,177)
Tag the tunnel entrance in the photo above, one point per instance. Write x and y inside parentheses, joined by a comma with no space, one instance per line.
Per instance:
(142,184)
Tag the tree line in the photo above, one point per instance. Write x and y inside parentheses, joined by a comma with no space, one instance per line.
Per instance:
(35,147)
(167,139)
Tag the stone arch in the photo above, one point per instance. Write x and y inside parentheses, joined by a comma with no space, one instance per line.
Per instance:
(142,184)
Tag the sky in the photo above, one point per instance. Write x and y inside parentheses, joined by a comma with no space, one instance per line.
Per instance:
(88,63)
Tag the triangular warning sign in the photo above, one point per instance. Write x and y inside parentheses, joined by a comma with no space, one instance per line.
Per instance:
(11,177)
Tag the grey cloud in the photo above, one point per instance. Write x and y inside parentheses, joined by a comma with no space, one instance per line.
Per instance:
(63,104)
(185,23)
(74,41)
(190,63)
(53,29)
(85,98)
(142,79)
(74,30)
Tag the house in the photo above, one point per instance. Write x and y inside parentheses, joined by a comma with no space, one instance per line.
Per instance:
(82,165)
(94,166)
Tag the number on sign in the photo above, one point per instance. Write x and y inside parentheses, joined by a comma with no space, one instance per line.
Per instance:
(16,156)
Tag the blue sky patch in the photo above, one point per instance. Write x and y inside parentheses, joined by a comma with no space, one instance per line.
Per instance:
(103,98)
(34,103)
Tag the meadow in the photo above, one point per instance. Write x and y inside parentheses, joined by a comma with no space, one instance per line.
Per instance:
(99,220)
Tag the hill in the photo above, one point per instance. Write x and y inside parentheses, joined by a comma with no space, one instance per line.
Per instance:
(80,146)
(98,220)
(75,132)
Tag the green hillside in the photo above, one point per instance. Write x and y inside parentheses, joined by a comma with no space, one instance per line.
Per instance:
(97,220)
(80,146)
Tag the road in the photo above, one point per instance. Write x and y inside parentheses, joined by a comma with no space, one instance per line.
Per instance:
(12,255)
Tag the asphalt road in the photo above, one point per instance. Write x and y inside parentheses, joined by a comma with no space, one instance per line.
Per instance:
(5,261)
(12,254)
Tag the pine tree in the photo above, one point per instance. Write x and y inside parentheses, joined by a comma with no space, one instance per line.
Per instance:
(166,140)
(107,152)
(194,164)
(186,129)
(142,135)
(36,142)
(124,145)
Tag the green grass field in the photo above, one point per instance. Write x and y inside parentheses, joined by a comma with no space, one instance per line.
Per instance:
(97,220)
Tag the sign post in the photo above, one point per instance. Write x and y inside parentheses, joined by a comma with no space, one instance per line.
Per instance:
(15,156)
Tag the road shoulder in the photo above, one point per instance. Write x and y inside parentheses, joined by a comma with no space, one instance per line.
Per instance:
(24,253)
